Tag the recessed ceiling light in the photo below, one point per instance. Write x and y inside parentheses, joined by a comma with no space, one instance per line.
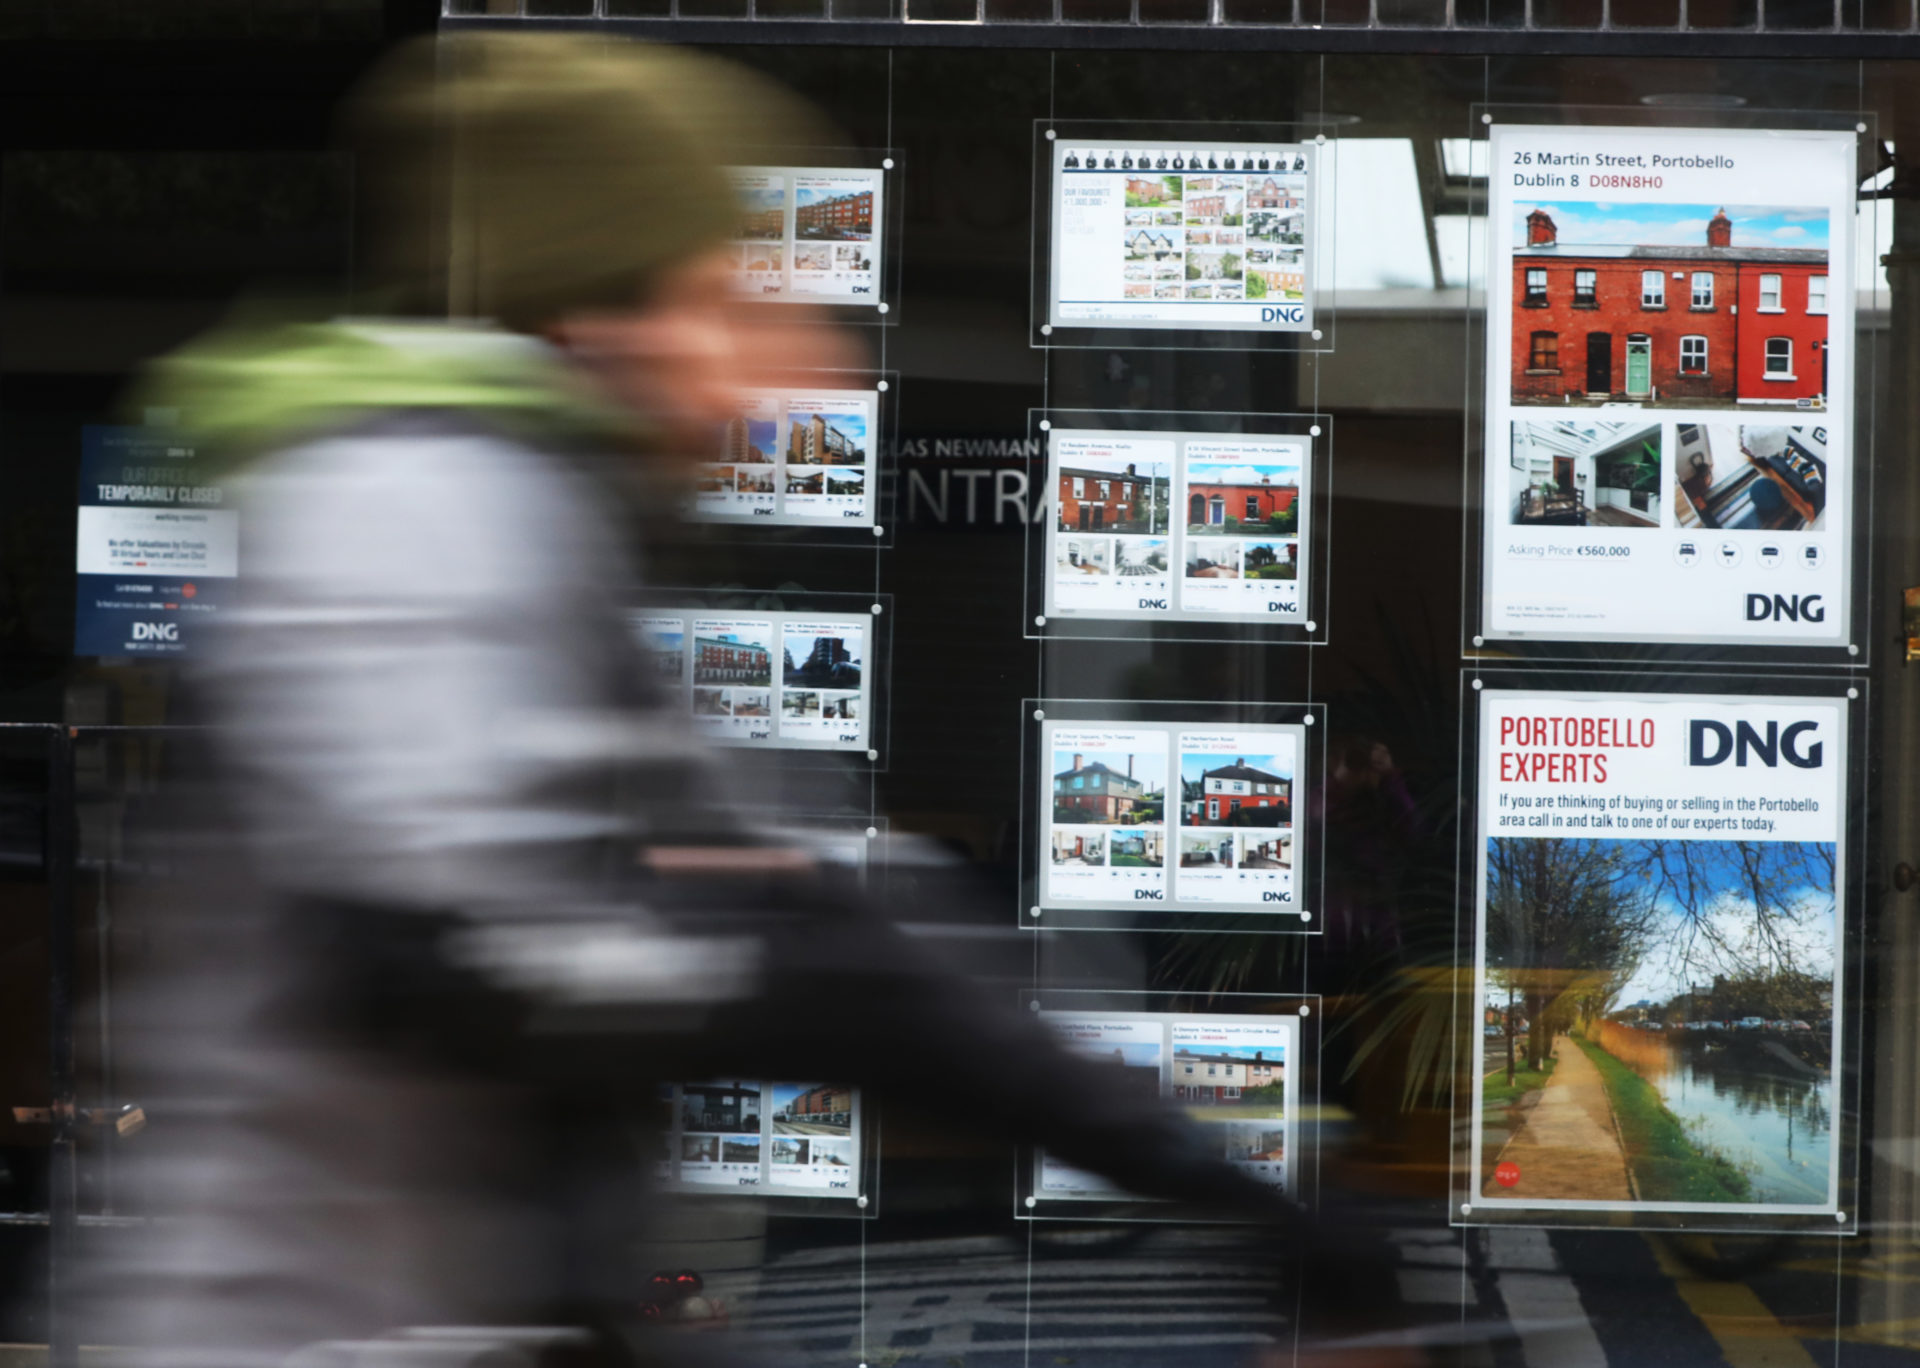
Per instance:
(1694,99)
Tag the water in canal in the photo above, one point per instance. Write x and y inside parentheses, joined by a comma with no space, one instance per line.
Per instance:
(1770,1118)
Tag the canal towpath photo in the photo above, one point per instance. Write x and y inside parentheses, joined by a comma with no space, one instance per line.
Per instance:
(1567,1145)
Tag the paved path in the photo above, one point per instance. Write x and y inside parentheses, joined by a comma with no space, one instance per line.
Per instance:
(1566,1147)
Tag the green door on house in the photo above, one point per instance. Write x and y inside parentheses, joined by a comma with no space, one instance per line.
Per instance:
(1639,365)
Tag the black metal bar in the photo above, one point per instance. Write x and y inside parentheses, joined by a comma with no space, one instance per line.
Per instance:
(1651,43)
(63,1191)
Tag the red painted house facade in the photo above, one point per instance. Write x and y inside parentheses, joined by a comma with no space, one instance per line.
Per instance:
(1674,324)
(1210,505)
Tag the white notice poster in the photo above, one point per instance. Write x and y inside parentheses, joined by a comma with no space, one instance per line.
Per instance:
(1659,986)
(1669,380)
(1199,237)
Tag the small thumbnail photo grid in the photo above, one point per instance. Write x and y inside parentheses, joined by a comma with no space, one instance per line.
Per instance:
(821,668)
(1193,230)
(1237,819)
(733,677)
(1241,507)
(794,1138)
(1107,827)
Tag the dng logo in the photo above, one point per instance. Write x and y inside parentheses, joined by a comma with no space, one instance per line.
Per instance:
(1714,743)
(156,631)
(1153,603)
(1148,895)
(1786,608)
(1283,313)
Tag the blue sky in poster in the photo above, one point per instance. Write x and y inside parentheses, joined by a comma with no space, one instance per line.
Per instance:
(1676,225)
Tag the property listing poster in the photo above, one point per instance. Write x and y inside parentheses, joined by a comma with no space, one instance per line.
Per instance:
(1233,1074)
(1177,527)
(803,457)
(773,1139)
(1658,960)
(771,680)
(1181,818)
(1198,238)
(157,549)
(809,234)
(1670,342)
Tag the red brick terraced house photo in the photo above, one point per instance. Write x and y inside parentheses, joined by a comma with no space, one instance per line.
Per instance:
(1095,500)
(1719,325)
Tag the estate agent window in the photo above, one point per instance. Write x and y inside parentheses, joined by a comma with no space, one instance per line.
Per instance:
(1545,355)
(1537,286)
(1693,356)
(1653,290)
(1703,289)
(1770,297)
(1779,358)
(1585,288)
(1816,294)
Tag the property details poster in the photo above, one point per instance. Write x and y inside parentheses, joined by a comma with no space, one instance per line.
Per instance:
(1234,1075)
(1184,818)
(769,680)
(794,458)
(809,234)
(1669,385)
(1177,527)
(1658,960)
(1208,239)
(770,1139)
(157,549)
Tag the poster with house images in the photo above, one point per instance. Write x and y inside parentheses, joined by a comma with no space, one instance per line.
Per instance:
(800,457)
(772,680)
(1177,527)
(772,1139)
(1200,238)
(1180,818)
(1236,817)
(1232,1074)
(809,234)
(1658,953)
(1669,386)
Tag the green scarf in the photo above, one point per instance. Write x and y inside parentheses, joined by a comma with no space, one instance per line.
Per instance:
(242,391)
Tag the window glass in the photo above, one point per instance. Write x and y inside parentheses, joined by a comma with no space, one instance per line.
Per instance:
(1584,291)
(1703,289)
(1780,356)
(1693,355)
(1816,294)
(1653,289)
(1770,292)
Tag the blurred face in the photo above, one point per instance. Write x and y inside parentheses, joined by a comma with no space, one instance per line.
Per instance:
(683,356)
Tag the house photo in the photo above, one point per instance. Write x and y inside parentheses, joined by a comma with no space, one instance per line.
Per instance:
(1115,789)
(1763,477)
(1137,849)
(1581,472)
(1079,847)
(1231,499)
(1112,495)
(1236,790)
(1206,850)
(1670,305)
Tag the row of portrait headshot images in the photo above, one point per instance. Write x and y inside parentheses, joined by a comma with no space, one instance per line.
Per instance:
(1636,474)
